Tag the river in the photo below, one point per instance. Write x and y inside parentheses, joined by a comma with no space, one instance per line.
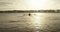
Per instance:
(36,22)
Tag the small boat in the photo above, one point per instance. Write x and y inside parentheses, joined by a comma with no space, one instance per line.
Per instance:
(29,14)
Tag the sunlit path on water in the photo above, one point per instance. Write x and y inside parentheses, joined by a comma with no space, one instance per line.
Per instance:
(37,21)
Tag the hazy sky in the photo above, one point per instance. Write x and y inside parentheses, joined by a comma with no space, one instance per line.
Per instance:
(29,4)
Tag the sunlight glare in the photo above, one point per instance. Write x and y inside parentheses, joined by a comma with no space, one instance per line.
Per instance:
(37,18)
(37,4)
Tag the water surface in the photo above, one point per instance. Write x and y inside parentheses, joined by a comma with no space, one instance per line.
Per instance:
(36,22)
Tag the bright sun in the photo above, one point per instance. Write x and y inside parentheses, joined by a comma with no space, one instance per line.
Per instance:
(37,4)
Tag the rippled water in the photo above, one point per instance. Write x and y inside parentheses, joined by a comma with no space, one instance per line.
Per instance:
(37,22)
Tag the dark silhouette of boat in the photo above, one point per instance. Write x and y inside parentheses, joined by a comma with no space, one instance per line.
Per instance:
(29,14)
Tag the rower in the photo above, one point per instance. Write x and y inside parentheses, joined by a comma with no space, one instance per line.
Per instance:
(29,14)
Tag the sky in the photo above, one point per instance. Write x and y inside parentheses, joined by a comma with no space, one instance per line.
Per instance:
(29,4)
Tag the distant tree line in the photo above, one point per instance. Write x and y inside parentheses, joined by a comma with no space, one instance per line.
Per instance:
(30,11)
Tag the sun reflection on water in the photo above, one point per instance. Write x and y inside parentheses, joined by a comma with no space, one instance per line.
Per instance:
(37,20)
